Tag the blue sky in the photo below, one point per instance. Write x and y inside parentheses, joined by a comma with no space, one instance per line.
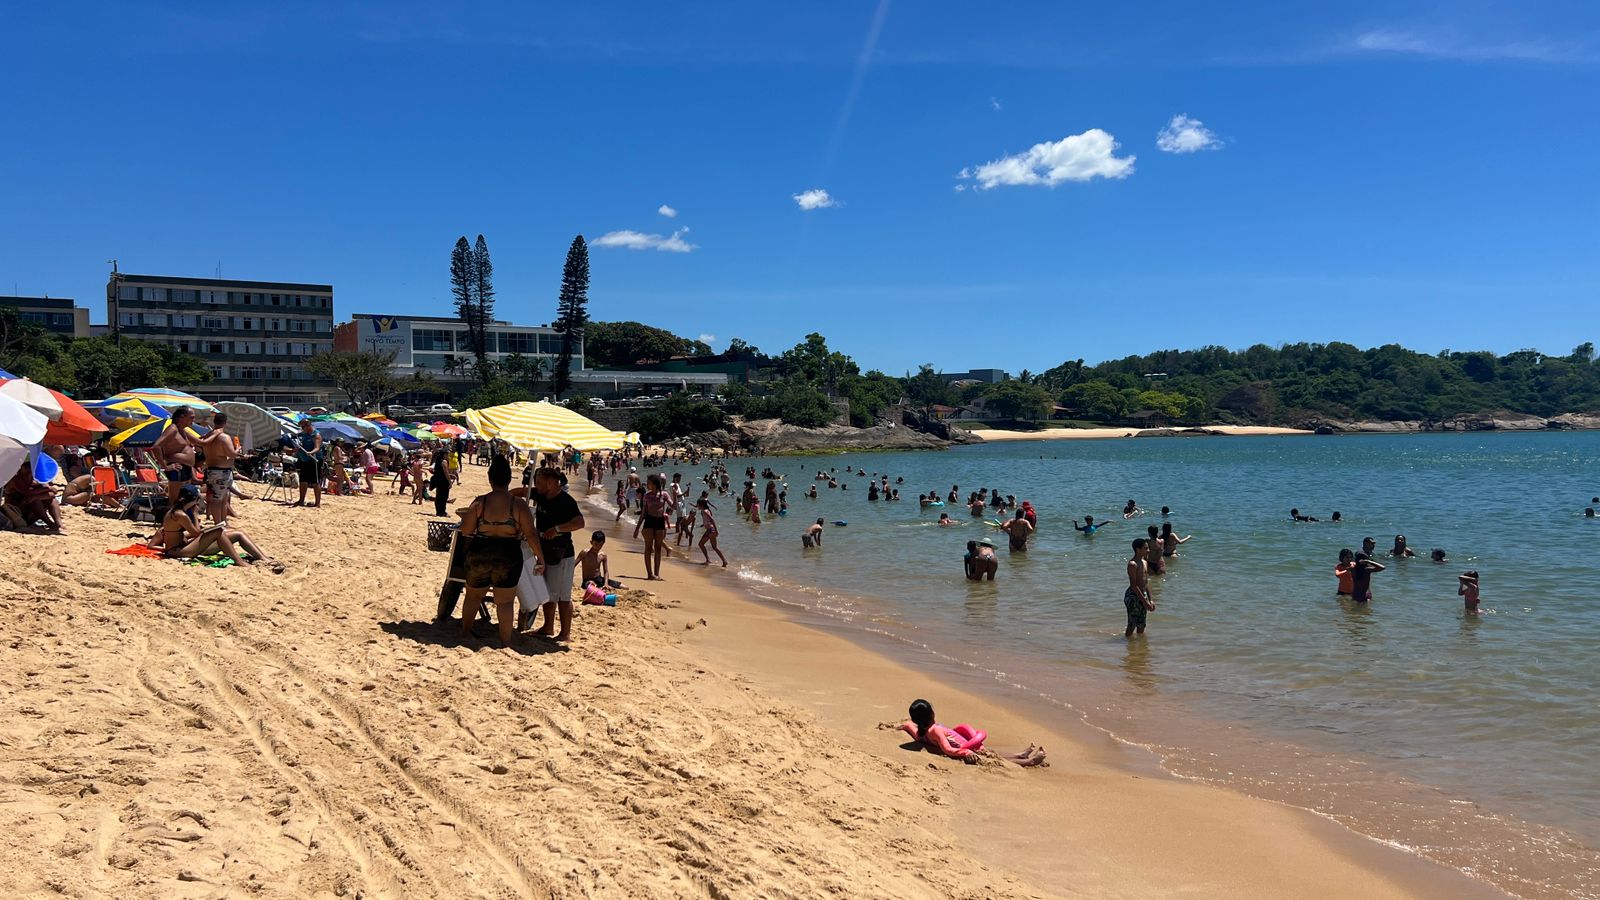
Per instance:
(998,190)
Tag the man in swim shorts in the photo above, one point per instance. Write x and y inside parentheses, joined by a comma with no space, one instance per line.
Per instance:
(174,452)
(1136,599)
(812,536)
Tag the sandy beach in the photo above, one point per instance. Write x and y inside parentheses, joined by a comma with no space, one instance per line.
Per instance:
(181,732)
(1064,434)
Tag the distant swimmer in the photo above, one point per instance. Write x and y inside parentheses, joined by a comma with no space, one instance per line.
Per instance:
(1018,529)
(1029,513)
(945,521)
(1400,550)
(1361,577)
(1136,599)
(982,563)
(1154,562)
(812,536)
(930,499)
(1166,511)
(1170,540)
(1438,555)
(1345,571)
(976,507)
(1588,513)
(1131,509)
(1294,516)
(812,493)
(955,494)
(1336,517)
(1468,590)
(872,490)
(1369,546)
(1089,526)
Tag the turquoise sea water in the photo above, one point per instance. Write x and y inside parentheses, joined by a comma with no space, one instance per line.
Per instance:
(1469,739)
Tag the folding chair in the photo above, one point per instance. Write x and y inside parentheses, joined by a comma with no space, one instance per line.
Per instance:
(147,490)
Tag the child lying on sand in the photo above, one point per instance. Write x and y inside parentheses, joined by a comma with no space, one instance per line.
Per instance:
(961,742)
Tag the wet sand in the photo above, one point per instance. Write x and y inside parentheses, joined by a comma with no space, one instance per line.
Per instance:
(174,731)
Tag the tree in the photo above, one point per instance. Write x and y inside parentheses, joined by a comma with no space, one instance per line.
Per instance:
(607,344)
(927,388)
(798,403)
(367,377)
(1096,400)
(1017,399)
(483,303)
(497,392)
(812,361)
(738,349)
(677,416)
(464,287)
(572,312)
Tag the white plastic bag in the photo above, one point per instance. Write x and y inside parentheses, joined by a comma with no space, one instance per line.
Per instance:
(531,589)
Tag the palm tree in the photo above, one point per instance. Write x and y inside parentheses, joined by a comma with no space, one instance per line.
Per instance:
(452,364)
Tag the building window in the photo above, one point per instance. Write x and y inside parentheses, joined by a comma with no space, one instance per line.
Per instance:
(299,325)
(158,320)
(153,294)
(128,319)
(179,321)
(218,371)
(432,339)
(181,346)
(518,342)
(36,318)
(213,322)
(216,347)
(324,325)
(250,373)
(127,293)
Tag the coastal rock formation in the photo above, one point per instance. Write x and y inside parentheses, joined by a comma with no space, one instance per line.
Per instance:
(1496,421)
(772,436)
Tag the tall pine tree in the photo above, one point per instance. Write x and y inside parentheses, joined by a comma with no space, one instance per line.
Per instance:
(464,286)
(572,312)
(483,304)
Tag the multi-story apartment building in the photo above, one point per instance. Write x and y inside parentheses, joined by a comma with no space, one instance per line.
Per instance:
(254,336)
(56,314)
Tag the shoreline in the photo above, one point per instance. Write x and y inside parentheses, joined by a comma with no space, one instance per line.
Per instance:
(1057,434)
(822,665)
(192,731)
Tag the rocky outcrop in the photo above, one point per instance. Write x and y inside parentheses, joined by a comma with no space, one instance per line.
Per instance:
(772,436)
(1499,421)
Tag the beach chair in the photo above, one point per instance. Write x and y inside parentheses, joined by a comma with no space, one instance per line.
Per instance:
(108,488)
(455,580)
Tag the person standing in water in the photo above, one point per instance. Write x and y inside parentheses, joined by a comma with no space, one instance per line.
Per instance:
(1089,526)
(1361,577)
(1170,541)
(812,536)
(1468,590)
(1136,599)
(1154,562)
(1019,529)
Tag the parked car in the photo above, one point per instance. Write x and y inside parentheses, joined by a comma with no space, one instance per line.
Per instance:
(641,399)
(444,408)
(597,403)
(401,411)
(658,397)
(317,411)
(279,410)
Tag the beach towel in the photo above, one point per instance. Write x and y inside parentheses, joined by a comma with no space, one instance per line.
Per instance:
(138,550)
(210,561)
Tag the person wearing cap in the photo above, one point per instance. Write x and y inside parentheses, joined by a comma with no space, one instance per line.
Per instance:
(982,563)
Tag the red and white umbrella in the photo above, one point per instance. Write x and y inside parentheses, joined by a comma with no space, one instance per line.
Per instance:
(69,424)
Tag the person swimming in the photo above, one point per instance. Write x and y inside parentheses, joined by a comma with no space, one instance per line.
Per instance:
(1294,516)
(1336,517)
(1131,509)
(945,520)
(1400,550)
(1089,526)
(1438,555)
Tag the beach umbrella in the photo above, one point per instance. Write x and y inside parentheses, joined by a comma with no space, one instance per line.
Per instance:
(368,430)
(145,434)
(381,419)
(70,423)
(12,455)
(446,429)
(21,422)
(336,431)
(167,398)
(404,437)
(543,426)
(389,443)
(5,374)
(252,425)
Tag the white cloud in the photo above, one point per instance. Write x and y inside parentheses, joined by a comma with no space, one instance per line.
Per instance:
(994,103)
(638,240)
(1078,157)
(668,211)
(816,198)
(1444,45)
(1185,134)
(707,339)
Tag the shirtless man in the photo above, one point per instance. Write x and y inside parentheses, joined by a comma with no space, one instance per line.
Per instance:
(1018,529)
(220,455)
(174,452)
(813,536)
(1136,599)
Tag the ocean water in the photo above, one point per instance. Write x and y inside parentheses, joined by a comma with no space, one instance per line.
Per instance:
(1472,740)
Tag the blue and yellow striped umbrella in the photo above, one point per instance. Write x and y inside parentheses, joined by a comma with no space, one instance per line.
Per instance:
(146,434)
(166,398)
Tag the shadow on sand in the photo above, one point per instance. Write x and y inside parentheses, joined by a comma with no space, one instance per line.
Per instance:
(448,634)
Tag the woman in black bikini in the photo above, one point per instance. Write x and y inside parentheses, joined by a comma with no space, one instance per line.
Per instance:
(653,522)
(181,538)
(497,525)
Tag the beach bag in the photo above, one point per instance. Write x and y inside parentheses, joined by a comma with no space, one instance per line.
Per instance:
(531,589)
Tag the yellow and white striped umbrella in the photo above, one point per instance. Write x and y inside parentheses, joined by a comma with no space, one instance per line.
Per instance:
(543,426)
